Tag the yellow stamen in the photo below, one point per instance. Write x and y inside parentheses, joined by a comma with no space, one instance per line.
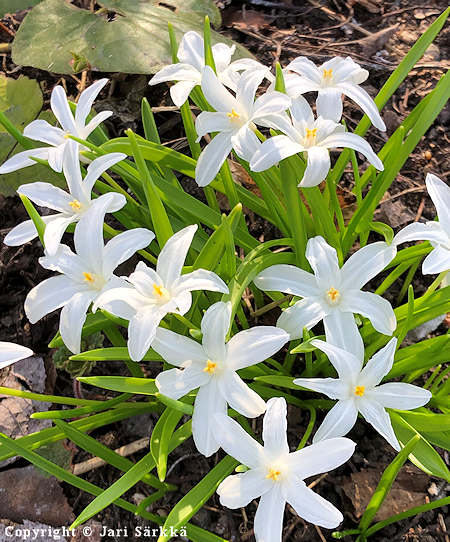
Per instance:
(88,277)
(311,136)
(328,74)
(333,295)
(210,367)
(158,290)
(274,474)
(67,136)
(75,204)
(233,115)
(359,390)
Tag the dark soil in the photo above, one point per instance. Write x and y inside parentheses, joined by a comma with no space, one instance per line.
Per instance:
(377,34)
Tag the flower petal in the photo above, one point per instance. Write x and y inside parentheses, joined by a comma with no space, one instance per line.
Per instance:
(23,159)
(72,172)
(123,302)
(245,143)
(431,231)
(305,313)
(400,395)
(208,122)
(49,295)
(87,98)
(216,94)
(275,427)
(46,195)
(67,262)
(212,157)
(365,102)
(345,363)
(239,396)
(177,72)
(379,365)
(143,278)
(341,330)
(353,141)
(200,279)
(55,156)
(73,316)
(176,383)
(374,413)
(191,50)
(338,422)
(238,490)
(98,166)
(247,85)
(24,232)
(272,151)
(61,109)
(366,263)
(329,104)
(54,231)
(177,349)
(301,113)
(374,307)
(41,130)
(312,507)
(331,387)
(317,167)
(437,261)
(10,353)
(321,457)
(270,104)
(179,92)
(173,254)
(306,68)
(297,85)
(254,345)
(324,262)
(142,330)
(237,442)
(94,122)
(215,326)
(208,404)
(222,54)
(268,525)
(288,279)
(123,246)
(440,194)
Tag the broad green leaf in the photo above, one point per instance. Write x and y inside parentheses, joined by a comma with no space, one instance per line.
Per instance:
(128,36)
(115,353)
(425,420)
(160,439)
(12,6)
(124,384)
(281,381)
(94,322)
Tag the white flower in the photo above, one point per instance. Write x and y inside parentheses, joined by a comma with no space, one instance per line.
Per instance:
(314,137)
(331,80)
(357,390)
(188,72)
(10,353)
(332,293)
(57,138)
(71,205)
(276,475)
(84,275)
(212,367)
(153,294)
(438,233)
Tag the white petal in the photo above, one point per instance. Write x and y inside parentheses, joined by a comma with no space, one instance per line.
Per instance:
(365,102)
(72,172)
(143,278)
(46,195)
(24,232)
(275,427)
(94,122)
(67,262)
(297,85)
(366,263)
(239,396)
(61,109)
(87,98)
(374,307)
(305,313)
(123,246)
(212,157)
(440,194)
(238,490)
(172,256)
(270,104)
(379,365)
(321,457)
(237,442)
(341,330)
(216,94)
(215,326)
(208,403)
(181,90)
(437,261)
(272,151)
(268,523)
(317,168)
(353,141)
(375,414)
(98,166)
(10,353)
(55,156)
(177,72)
(141,331)
(305,67)
(301,112)
(208,122)
(247,86)
(54,231)
(346,364)
(23,159)
(431,231)
(245,143)
(329,104)
(176,383)
(254,345)
(200,279)
(338,422)
(177,349)
(312,507)
(122,302)
(324,262)
(41,130)
(331,387)
(181,302)
(191,50)
(288,279)
(222,54)
(49,295)
(72,319)
(400,395)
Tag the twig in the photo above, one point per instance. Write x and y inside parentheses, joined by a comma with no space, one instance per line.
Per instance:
(270,306)
(319,532)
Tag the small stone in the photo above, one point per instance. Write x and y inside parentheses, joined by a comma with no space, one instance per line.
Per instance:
(407,36)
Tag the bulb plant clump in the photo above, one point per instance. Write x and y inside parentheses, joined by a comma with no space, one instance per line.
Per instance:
(333,339)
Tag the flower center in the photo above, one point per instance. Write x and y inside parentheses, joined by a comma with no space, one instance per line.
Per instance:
(311,136)
(327,75)
(333,296)
(161,293)
(234,115)
(359,390)
(88,277)
(75,204)
(96,282)
(273,474)
(210,367)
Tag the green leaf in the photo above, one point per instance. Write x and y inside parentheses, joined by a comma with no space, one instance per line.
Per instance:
(115,353)
(94,322)
(12,6)
(160,439)
(124,384)
(128,36)
(281,381)
(426,420)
